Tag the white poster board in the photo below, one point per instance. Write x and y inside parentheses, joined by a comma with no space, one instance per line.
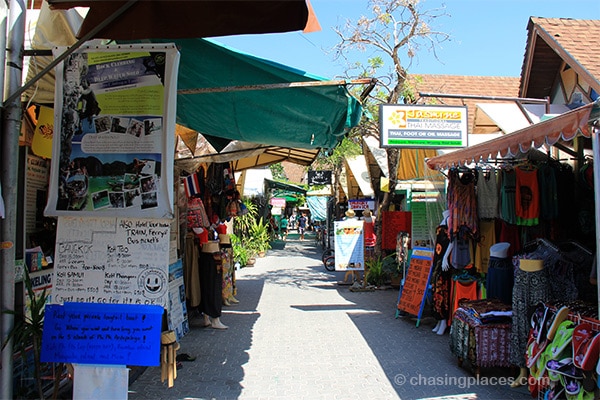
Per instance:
(111,260)
(349,245)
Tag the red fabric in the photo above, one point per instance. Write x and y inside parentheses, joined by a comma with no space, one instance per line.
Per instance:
(462,290)
(369,232)
(527,203)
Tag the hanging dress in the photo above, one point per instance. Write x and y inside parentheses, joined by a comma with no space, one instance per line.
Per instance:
(441,279)
(487,193)
(461,199)
(508,189)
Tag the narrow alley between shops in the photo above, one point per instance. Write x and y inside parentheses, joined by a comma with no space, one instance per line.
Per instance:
(298,334)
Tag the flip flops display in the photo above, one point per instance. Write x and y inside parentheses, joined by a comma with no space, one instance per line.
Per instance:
(538,322)
(562,338)
(555,321)
(586,346)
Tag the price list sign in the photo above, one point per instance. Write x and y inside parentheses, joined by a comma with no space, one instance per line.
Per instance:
(415,284)
(111,261)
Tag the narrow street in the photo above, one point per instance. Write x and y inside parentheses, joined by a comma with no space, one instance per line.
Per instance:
(297,334)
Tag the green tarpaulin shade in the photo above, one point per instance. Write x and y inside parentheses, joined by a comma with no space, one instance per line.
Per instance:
(284,186)
(304,117)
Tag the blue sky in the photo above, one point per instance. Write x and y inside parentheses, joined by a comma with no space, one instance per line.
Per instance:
(488,37)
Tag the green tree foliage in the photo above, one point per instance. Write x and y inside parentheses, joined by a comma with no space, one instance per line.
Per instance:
(278,172)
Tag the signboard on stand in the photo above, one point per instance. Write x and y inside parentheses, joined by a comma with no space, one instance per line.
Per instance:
(349,245)
(413,291)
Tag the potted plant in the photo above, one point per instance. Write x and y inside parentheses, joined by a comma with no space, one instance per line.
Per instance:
(240,251)
(380,270)
(26,334)
(259,237)
(393,268)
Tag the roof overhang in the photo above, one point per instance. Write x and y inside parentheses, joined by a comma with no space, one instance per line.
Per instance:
(563,127)
(176,19)
(360,176)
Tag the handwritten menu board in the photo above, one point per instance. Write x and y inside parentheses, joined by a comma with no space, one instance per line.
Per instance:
(111,334)
(111,261)
(414,289)
(392,223)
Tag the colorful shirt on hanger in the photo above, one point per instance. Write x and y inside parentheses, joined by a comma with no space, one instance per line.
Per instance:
(508,189)
(461,199)
(487,193)
(527,196)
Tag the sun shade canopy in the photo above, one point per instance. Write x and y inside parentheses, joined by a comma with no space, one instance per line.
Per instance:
(226,94)
(563,127)
(175,19)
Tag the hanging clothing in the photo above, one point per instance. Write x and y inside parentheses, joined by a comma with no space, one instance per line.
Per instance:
(548,192)
(196,215)
(487,193)
(441,279)
(191,275)
(527,197)
(508,190)
(500,279)
(461,199)
(529,289)
(463,289)
(369,231)
(487,237)
(211,285)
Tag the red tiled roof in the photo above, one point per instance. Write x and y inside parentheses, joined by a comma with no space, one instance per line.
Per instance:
(489,86)
(553,40)
(579,37)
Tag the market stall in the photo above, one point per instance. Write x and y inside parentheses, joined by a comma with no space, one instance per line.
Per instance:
(542,211)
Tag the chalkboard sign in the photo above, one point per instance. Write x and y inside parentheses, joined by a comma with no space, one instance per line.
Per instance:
(110,334)
(416,281)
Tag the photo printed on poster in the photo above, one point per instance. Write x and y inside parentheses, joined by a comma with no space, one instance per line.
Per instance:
(115,123)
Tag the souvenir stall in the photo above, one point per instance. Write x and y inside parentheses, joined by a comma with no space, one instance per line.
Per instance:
(212,202)
(518,256)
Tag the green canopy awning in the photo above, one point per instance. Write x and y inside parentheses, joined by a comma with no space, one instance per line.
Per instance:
(312,116)
(284,186)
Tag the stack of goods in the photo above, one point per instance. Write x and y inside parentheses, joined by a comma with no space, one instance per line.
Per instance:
(563,352)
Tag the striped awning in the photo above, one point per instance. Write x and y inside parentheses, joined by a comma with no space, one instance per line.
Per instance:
(563,127)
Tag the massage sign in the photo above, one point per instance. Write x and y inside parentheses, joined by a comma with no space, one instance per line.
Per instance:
(423,126)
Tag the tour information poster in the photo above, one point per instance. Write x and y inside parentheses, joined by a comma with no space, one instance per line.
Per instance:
(349,245)
(113,146)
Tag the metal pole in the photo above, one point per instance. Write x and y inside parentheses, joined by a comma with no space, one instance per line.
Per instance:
(595,128)
(11,124)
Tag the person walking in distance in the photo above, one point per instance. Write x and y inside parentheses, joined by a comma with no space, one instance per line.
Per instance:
(302,225)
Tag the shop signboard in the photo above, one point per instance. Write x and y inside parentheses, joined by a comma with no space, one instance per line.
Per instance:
(349,245)
(277,202)
(414,288)
(319,178)
(361,204)
(423,126)
(114,120)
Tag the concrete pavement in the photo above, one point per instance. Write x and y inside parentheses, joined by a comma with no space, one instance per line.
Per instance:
(297,334)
